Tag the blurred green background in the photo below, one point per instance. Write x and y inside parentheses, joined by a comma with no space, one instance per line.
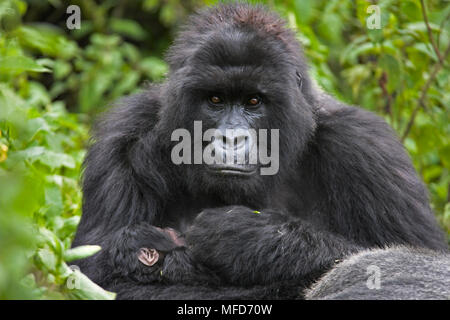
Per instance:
(53,81)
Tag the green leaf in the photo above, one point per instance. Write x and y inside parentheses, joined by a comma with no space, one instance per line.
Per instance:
(392,67)
(61,69)
(19,64)
(53,200)
(447,212)
(57,160)
(45,236)
(154,67)
(355,76)
(47,258)
(78,286)
(37,125)
(47,39)
(69,226)
(351,54)
(304,9)
(81,252)
(127,27)
(128,82)
(426,49)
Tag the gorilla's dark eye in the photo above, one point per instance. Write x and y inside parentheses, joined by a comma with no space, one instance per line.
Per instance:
(253,101)
(215,99)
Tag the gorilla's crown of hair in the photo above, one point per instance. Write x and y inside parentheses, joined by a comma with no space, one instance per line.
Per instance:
(255,18)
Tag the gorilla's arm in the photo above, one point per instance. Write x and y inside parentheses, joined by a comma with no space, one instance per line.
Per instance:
(124,190)
(252,247)
(175,275)
(371,192)
(369,196)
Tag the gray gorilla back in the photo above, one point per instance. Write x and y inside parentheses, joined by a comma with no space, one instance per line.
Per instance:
(403,273)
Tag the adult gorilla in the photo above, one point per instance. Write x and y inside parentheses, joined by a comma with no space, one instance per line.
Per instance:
(382,274)
(344,180)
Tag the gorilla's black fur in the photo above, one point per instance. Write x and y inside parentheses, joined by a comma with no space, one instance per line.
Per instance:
(404,273)
(345,181)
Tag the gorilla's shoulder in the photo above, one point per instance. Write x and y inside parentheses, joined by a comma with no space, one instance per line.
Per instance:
(131,115)
(348,120)
(350,128)
(349,137)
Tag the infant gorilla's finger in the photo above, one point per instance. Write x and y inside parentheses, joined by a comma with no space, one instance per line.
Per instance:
(175,236)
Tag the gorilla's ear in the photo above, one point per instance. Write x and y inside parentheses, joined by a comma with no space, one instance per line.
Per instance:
(299,80)
(304,84)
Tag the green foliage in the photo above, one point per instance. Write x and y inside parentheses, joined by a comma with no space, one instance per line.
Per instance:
(54,80)
(41,150)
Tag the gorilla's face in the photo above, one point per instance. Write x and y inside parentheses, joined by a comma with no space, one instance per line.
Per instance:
(238,85)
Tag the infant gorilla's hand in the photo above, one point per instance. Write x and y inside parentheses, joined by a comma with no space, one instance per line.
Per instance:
(229,240)
(139,251)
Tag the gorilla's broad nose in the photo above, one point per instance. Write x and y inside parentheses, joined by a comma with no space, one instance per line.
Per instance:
(233,145)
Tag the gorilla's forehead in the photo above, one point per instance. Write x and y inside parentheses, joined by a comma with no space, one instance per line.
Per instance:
(244,78)
(235,47)
(238,60)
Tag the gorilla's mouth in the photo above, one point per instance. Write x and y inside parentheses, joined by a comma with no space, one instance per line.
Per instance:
(232,170)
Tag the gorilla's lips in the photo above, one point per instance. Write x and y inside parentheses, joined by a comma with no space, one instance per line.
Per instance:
(233,170)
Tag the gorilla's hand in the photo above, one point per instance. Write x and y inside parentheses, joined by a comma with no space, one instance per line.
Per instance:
(249,247)
(146,254)
(237,241)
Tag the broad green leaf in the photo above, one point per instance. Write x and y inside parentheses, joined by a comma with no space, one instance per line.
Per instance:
(48,40)
(19,64)
(37,125)
(57,160)
(391,66)
(78,286)
(127,27)
(154,68)
(53,200)
(69,226)
(47,258)
(81,252)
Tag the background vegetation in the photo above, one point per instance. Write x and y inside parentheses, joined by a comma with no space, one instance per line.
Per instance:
(53,81)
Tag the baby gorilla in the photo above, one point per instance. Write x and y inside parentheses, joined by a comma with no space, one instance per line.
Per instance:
(163,248)
(159,258)
(151,256)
